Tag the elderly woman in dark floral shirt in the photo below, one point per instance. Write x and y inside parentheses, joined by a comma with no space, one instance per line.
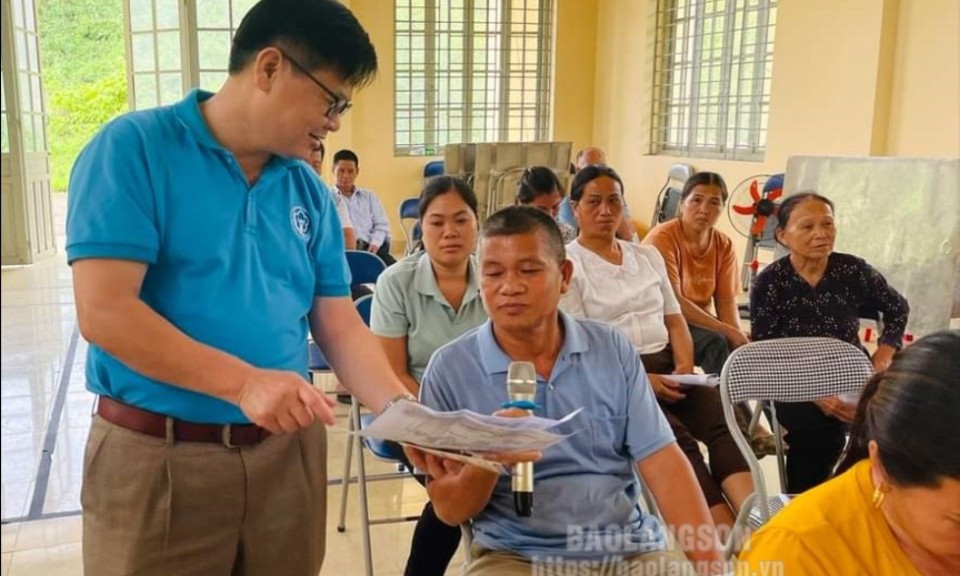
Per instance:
(815,291)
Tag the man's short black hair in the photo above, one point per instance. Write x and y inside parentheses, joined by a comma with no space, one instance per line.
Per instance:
(348,155)
(320,34)
(517,220)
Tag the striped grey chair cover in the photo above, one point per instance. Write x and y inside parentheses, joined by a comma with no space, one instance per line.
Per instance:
(783,370)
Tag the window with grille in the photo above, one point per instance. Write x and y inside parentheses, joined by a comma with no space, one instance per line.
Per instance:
(712,78)
(471,71)
(176,45)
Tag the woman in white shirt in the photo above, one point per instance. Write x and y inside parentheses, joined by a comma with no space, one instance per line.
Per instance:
(626,285)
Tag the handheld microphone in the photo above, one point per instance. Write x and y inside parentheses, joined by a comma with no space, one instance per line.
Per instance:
(522,387)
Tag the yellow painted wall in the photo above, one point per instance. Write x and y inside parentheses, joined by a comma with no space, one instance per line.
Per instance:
(925,99)
(850,77)
(368,128)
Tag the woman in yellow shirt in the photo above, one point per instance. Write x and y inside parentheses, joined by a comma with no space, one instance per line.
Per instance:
(894,505)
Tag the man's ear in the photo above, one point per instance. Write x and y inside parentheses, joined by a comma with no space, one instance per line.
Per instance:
(266,67)
(566,274)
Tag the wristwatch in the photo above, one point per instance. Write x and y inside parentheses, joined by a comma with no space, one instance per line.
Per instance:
(405,397)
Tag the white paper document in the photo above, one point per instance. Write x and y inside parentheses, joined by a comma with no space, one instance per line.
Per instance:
(708,380)
(475,460)
(464,430)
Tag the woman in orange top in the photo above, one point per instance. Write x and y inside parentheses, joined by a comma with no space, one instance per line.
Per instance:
(894,507)
(703,270)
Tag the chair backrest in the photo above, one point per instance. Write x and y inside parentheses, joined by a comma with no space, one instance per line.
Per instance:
(365,267)
(409,210)
(668,199)
(786,370)
(793,370)
(363,305)
(432,169)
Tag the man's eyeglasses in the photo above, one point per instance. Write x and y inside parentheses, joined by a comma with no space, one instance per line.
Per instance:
(338,106)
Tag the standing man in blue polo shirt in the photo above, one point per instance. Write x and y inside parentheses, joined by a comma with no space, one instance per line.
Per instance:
(586,518)
(202,251)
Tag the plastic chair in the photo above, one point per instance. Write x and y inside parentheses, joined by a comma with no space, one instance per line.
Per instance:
(409,211)
(432,169)
(783,370)
(364,269)
(668,199)
(379,448)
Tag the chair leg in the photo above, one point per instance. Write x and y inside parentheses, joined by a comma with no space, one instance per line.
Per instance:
(362,485)
(778,439)
(347,456)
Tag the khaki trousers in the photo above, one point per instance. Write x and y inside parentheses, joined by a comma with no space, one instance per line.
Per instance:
(500,563)
(152,506)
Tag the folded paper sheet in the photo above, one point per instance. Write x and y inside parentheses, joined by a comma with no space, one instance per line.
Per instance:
(694,379)
(463,430)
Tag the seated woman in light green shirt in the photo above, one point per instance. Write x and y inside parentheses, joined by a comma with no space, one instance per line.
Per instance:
(421,303)
(431,297)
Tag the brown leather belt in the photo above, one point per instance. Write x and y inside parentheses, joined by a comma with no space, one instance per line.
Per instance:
(153,424)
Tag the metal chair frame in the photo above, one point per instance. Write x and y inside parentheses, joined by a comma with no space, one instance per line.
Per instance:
(783,370)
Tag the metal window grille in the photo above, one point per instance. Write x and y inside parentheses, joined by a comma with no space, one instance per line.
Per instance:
(174,46)
(471,71)
(712,75)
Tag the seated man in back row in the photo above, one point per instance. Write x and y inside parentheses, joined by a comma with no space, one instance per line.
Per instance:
(366,212)
(586,515)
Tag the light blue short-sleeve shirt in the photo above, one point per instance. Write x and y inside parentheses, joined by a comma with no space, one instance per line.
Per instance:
(232,265)
(408,303)
(586,487)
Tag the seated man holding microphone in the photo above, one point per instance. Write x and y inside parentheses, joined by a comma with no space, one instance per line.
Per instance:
(585,513)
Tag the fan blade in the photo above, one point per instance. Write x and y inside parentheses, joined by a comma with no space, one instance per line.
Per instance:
(775,193)
(745,210)
(755,191)
(758,225)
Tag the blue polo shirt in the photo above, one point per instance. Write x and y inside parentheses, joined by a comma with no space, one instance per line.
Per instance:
(233,265)
(585,488)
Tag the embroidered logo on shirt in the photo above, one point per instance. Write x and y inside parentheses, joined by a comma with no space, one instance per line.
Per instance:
(300,221)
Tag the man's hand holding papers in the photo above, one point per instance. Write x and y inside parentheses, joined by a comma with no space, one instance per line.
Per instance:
(441,442)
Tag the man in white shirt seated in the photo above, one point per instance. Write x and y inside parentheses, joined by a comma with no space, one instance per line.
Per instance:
(317,155)
(366,211)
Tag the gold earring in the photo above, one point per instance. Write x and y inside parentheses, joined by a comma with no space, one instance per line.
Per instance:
(878,495)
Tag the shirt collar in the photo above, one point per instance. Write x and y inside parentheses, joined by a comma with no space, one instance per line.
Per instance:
(426,283)
(495,360)
(188,112)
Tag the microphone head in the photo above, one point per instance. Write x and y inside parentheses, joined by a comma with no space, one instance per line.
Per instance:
(522,373)
(522,381)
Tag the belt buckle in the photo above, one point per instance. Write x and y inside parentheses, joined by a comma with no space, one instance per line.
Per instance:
(226,436)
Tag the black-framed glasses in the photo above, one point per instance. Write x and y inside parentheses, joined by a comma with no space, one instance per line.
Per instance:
(338,106)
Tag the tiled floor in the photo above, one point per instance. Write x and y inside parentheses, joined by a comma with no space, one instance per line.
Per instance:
(45,419)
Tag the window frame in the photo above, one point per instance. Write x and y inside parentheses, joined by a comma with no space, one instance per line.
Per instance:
(667,110)
(435,137)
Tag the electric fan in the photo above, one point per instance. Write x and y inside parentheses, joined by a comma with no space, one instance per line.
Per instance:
(753,213)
